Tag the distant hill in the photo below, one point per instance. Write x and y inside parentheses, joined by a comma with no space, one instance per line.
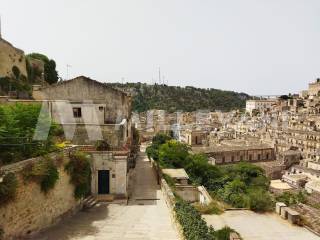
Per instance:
(172,98)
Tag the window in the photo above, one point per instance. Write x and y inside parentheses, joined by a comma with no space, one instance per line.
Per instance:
(241,158)
(77,112)
(267,156)
(232,159)
(250,157)
(259,156)
(223,159)
(100,108)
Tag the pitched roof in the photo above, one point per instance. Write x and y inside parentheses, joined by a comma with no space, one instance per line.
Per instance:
(87,79)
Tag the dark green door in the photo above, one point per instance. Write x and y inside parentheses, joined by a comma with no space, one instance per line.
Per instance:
(103,182)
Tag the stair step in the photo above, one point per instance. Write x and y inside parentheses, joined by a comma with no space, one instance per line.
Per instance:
(89,202)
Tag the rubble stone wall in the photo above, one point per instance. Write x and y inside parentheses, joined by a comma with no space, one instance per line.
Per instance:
(32,210)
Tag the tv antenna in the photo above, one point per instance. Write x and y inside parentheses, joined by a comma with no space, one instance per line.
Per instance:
(68,66)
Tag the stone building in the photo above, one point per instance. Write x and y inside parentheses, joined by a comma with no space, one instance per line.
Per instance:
(196,137)
(314,88)
(109,175)
(88,110)
(224,154)
(260,105)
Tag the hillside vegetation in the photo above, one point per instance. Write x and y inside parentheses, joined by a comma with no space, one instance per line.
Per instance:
(172,98)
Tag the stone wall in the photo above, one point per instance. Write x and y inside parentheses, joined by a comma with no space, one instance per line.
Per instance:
(114,134)
(32,210)
(204,196)
(170,201)
(188,193)
(9,57)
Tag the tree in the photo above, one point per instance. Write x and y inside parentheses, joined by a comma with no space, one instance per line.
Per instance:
(173,154)
(50,73)
(260,200)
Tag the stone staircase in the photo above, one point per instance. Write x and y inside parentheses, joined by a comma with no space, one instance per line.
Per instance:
(89,202)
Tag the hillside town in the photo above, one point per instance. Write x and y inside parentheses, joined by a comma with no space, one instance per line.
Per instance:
(83,158)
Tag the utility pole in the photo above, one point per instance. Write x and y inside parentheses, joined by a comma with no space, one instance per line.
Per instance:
(159,76)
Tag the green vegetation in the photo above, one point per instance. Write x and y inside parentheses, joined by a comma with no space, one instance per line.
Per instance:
(8,84)
(172,98)
(213,208)
(8,188)
(241,185)
(79,168)
(290,198)
(170,181)
(102,145)
(195,227)
(50,72)
(21,84)
(44,172)
(17,127)
(244,185)
(224,233)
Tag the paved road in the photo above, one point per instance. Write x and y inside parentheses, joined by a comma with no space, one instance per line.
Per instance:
(253,226)
(145,217)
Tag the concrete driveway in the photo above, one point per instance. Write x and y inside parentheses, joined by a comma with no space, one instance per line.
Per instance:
(253,226)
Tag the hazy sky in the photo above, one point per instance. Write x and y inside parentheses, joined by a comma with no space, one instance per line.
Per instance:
(254,46)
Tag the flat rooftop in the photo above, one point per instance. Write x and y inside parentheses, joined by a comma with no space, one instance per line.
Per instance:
(278,184)
(295,177)
(178,173)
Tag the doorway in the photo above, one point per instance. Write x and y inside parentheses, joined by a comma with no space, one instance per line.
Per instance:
(103,182)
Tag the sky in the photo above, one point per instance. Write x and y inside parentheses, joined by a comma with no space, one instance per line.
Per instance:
(261,47)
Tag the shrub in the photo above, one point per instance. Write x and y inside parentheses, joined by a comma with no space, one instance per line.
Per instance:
(8,188)
(212,208)
(223,234)
(290,198)
(260,200)
(102,145)
(193,225)
(44,172)
(79,168)
(17,127)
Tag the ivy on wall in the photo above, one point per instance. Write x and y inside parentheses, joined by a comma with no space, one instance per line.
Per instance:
(79,168)
(44,172)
